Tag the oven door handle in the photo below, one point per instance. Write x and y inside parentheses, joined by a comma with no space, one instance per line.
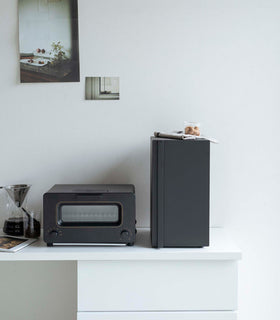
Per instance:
(89,197)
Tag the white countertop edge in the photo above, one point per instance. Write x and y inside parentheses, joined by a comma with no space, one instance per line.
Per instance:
(221,248)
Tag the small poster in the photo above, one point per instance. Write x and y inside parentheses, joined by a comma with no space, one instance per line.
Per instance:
(48,41)
(102,88)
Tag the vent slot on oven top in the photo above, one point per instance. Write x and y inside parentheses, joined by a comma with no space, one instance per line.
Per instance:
(89,214)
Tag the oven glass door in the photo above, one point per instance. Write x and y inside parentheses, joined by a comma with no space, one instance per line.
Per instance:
(89,214)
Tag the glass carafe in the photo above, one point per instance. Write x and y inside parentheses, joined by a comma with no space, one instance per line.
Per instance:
(15,213)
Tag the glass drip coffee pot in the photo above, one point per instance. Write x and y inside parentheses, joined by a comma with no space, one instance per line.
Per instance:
(16,212)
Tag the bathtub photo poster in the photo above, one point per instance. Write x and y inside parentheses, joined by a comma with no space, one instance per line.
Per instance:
(49,41)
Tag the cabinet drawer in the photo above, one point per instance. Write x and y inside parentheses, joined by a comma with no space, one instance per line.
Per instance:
(157,285)
(227,315)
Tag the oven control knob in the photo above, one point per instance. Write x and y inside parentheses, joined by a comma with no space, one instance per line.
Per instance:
(125,235)
(54,233)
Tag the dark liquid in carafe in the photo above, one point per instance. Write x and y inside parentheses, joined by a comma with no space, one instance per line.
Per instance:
(13,226)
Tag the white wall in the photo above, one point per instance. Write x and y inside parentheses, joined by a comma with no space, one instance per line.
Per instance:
(217,62)
(38,290)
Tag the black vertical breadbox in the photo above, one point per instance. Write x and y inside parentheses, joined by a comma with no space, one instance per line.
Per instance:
(180,192)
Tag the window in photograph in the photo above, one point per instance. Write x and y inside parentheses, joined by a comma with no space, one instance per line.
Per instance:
(102,88)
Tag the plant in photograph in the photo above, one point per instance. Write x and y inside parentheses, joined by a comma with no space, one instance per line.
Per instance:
(58,53)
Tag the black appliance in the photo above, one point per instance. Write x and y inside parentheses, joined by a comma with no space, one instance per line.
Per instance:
(89,213)
(179,192)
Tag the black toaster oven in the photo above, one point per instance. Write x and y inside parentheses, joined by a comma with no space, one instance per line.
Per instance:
(89,213)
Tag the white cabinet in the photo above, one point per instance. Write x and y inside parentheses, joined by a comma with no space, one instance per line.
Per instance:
(227,315)
(157,285)
(142,283)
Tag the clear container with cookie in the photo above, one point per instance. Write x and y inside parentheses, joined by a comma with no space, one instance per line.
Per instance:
(192,128)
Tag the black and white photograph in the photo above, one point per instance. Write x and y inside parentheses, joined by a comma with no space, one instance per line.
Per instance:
(102,88)
(48,41)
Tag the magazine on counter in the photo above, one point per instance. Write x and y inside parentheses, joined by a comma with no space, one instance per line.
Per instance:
(179,135)
(13,244)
